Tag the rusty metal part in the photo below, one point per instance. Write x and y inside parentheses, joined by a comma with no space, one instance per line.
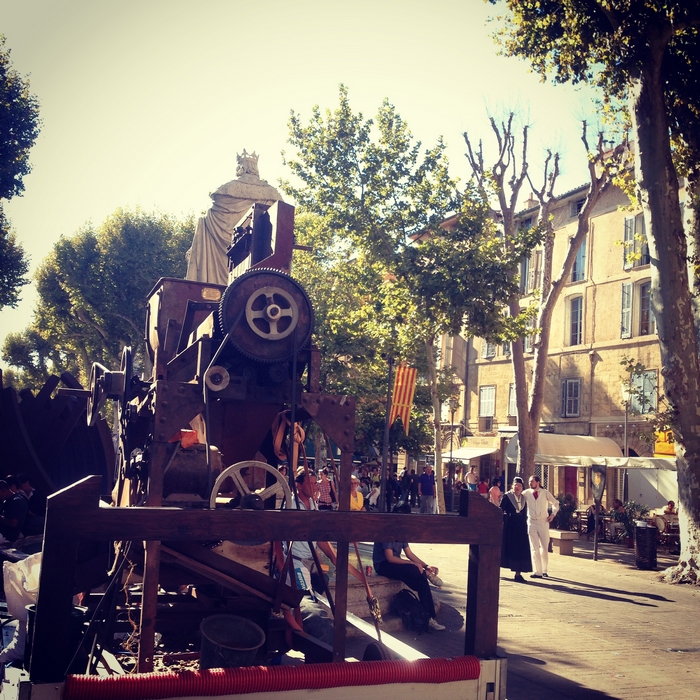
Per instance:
(273,305)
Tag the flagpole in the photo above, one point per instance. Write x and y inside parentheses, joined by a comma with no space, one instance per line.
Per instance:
(385,450)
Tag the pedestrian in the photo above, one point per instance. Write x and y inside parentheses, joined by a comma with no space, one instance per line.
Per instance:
(357,500)
(515,551)
(472,479)
(426,490)
(326,491)
(538,501)
(412,571)
(495,492)
(483,487)
(413,488)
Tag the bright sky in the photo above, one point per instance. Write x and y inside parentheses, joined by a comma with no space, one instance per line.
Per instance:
(146,102)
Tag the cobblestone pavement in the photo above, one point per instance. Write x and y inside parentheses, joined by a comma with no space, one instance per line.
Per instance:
(594,630)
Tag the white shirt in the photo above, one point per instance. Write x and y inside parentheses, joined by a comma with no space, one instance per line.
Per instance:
(538,508)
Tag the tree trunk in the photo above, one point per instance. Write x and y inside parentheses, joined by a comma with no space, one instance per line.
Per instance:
(658,192)
(432,378)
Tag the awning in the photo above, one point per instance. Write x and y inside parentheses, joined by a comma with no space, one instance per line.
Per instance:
(464,454)
(584,451)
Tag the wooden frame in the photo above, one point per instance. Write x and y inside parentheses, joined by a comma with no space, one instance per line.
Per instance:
(74,514)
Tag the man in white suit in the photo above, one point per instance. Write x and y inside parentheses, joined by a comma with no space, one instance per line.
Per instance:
(538,518)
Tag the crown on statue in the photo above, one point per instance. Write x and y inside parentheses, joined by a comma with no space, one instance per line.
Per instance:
(247,164)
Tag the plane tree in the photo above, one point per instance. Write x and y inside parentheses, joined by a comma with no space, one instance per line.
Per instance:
(645,53)
(431,246)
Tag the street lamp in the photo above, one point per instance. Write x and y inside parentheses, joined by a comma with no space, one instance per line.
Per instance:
(454,405)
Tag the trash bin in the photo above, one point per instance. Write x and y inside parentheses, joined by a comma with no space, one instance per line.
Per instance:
(645,536)
(228,641)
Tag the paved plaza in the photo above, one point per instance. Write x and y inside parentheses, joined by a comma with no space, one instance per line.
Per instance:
(594,630)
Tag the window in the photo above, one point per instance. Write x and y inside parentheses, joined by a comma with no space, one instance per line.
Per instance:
(647,322)
(531,272)
(488,350)
(635,248)
(506,348)
(576,206)
(636,311)
(576,321)
(512,403)
(487,407)
(571,398)
(529,340)
(487,401)
(578,271)
(643,393)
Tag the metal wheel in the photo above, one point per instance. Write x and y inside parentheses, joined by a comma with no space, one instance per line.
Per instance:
(264,310)
(280,489)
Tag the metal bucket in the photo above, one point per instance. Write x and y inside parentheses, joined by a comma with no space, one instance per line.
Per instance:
(229,641)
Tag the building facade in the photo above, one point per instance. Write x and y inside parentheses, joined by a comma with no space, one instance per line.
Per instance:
(602,317)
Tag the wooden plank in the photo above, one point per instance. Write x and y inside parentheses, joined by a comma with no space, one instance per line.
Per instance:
(228,572)
(51,651)
(149,606)
(176,524)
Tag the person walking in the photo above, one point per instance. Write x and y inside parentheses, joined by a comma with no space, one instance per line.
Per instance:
(515,552)
(426,490)
(538,501)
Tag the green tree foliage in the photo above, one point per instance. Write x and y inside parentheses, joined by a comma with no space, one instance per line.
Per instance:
(19,128)
(387,201)
(13,265)
(646,52)
(92,291)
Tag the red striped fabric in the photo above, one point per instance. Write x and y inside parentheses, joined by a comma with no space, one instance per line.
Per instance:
(404,389)
(259,679)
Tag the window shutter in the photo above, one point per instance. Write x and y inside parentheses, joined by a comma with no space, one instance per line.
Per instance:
(628,246)
(563,399)
(626,311)
(484,350)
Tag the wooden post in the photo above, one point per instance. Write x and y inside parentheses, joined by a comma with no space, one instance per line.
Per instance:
(149,605)
(482,601)
(52,651)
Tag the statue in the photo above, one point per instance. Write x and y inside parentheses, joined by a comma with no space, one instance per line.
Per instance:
(207,261)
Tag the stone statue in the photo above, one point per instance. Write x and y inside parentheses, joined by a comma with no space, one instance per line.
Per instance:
(207,261)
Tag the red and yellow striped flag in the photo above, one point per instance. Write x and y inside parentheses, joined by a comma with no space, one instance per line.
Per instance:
(404,389)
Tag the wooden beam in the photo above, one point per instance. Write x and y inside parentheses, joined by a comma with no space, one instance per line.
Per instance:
(482,601)
(87,521)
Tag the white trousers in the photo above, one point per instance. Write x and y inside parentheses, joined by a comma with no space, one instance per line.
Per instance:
(538,532)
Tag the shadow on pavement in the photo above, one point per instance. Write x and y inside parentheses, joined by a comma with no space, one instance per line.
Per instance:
(528,679)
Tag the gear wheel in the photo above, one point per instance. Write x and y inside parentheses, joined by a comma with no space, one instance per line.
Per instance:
(273,306)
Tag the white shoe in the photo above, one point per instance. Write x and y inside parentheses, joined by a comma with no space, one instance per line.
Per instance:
(434,579)
(435,625)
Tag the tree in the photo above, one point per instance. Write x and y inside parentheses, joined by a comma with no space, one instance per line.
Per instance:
(505,179)
(645,52)
(13,265)
(19,128)
(92,291)
(388,201)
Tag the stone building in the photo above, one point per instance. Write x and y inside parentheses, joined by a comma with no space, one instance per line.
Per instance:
(603,316)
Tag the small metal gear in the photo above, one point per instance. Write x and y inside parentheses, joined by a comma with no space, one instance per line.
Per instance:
(271,309)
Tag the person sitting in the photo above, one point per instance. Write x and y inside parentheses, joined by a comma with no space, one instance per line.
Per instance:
(619,522)
(412,571)
(670,508)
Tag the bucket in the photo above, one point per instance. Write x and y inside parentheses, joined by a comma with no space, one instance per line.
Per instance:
(228,641)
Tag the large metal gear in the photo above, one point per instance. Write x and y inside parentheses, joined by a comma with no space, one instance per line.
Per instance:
(272,309)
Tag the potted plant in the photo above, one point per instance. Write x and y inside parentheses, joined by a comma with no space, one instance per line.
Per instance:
(633,511)
(565,515)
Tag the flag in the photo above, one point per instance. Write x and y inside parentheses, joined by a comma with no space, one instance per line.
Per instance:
(404,389)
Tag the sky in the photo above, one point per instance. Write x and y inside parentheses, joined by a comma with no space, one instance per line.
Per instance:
(145,103)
